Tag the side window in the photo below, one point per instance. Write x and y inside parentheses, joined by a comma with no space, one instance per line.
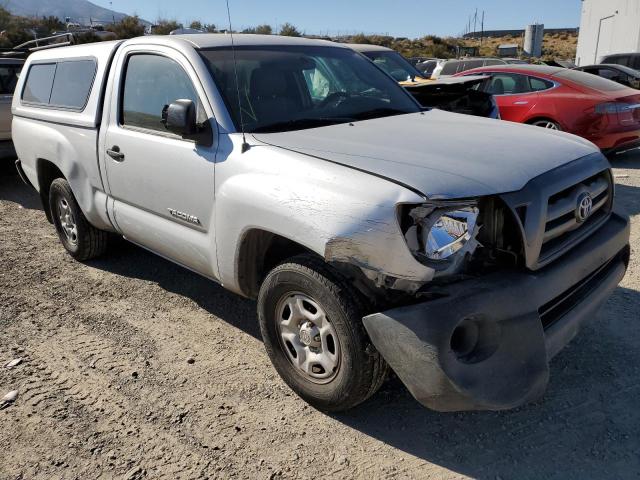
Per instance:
(37,88)
(8,78)
(636,62)
(450,68)
(538,84)
(151,83)
(66,84)
(607,73)
(72,84)
(507,84)
(471,64)
(624,60)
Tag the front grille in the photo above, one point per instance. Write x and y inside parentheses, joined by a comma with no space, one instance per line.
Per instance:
(562,227)
(546,209)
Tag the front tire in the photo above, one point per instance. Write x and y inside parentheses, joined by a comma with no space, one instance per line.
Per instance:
(311,323)
(81,239)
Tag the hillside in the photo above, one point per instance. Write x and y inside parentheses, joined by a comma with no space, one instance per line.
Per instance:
(555,45)
(80,11)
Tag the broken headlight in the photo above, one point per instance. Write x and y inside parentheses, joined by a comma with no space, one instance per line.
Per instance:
(440,231)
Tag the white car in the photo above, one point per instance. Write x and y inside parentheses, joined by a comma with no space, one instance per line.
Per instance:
(461,252)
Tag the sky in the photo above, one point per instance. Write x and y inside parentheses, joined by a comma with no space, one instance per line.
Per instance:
(411,19)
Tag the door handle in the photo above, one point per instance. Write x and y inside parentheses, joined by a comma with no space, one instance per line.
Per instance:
(114,152)
(521,103)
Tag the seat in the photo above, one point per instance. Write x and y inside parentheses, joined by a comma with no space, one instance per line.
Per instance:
(272,92)
(497,87)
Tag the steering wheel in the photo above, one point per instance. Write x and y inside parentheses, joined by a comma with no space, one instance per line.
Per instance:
(336,97)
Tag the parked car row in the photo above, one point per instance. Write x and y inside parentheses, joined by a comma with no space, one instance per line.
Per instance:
(605,111)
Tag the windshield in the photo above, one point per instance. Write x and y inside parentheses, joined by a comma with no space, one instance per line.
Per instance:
(394,64)
(628,71)
(590,81)
(297,87)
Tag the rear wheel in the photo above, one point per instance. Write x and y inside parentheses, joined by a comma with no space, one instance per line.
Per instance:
(311,323)
(546,123)
(81,239)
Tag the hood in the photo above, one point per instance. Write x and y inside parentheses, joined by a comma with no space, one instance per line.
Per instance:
(417,80)
(440,154)
(453,82)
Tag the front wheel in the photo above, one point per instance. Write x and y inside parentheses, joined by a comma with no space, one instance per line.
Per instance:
(311,323)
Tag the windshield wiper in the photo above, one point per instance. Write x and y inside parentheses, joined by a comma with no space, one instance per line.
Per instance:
(301,124)
(379,113)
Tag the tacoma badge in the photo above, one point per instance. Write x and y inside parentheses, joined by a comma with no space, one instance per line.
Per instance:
(184,216)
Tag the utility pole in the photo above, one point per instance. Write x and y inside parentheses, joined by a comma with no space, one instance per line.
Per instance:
(475,21)
(482,29)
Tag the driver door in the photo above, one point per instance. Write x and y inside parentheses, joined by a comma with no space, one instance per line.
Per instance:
(161,186)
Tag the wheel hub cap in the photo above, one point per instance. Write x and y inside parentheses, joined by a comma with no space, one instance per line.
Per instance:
(67,221)
(308,337)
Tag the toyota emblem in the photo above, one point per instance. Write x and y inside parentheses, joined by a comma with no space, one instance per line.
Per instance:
(584,208)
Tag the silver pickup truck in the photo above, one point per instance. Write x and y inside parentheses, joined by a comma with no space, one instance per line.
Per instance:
(461,252)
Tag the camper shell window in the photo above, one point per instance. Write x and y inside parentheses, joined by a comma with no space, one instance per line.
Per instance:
(63,84)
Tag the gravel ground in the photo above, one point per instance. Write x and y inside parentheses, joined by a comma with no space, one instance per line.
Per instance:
(133,367)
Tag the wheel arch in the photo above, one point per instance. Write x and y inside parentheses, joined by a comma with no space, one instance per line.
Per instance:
(47,172)
(259,251)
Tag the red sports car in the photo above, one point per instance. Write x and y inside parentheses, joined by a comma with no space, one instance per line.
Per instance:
(604,112)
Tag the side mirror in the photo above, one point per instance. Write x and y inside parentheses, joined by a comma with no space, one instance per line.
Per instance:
(180,117)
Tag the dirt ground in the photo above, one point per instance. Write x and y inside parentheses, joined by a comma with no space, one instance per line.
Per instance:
(133,367)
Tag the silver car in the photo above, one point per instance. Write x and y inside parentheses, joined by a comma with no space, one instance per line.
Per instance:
(9,72)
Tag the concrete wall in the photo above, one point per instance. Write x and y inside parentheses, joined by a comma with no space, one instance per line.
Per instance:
(607,27)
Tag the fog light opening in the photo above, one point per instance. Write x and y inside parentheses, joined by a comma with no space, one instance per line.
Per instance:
(475,340)
(465,338)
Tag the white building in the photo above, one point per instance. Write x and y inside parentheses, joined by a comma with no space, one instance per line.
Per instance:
(606,27)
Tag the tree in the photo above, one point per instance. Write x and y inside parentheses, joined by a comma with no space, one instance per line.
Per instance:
(264,30)
(52,24)
(288,30)
(165,27)
(196,25)
(128,27)
(360,38)
(210,28)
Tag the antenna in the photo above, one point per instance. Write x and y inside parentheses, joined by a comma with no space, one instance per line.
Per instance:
(245,145)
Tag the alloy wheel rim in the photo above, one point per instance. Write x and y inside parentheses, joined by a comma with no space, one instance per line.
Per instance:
(308,337)
(547,124)
(67,221)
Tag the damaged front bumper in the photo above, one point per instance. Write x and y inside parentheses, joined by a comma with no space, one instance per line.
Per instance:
(487,344)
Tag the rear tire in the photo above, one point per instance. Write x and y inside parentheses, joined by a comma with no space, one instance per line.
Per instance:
(310,314)
(81,239)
